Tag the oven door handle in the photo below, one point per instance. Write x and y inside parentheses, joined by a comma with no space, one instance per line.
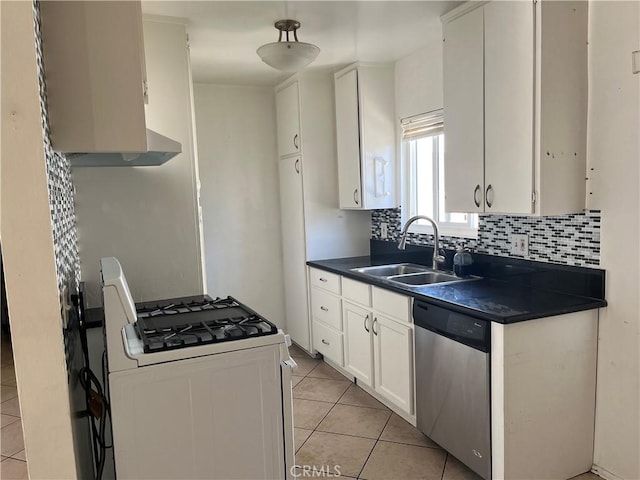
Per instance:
(287,364)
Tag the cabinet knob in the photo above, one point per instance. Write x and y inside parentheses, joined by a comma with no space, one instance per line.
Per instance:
(365,323)
(355,197)
(297,165)
(325,342)
(323,279)
(373,326)
(295,141)
(324,309)
(477,191)
(486,195)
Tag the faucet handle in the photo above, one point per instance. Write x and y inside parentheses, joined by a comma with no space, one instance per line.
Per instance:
(440,259)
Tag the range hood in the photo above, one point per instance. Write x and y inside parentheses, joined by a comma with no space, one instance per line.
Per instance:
(159,150)
(97,89)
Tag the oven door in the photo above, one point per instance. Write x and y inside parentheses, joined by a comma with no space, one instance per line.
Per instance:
(287,364)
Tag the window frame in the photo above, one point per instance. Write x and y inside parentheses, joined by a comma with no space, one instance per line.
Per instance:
(409,197)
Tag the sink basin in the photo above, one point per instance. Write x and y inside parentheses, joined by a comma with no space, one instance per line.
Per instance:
(425,278)
(392,270)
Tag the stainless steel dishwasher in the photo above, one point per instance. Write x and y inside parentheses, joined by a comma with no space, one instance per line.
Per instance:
(452,383)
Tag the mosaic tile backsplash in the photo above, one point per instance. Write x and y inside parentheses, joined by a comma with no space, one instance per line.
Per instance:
(567,239)
(61,191)
(61,204)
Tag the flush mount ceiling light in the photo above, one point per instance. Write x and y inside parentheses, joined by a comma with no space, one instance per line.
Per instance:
(286,55)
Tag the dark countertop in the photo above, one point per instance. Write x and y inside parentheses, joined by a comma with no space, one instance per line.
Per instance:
(488,299)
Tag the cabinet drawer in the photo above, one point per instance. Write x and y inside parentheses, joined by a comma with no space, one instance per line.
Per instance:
(356,291)
(326,308)
(328,342)
(325,280)
(393,304)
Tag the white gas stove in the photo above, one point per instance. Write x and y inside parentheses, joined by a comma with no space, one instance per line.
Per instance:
(199,388)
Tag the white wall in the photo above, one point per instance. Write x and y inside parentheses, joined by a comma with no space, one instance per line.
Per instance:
(418,84)
(29,257)
(237,151)
(419,81)
(613,150)
(147,217)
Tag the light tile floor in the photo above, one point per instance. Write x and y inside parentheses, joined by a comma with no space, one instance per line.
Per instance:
(339,425)
(13,463)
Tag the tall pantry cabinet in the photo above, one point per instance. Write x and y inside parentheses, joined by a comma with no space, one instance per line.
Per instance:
(313,226)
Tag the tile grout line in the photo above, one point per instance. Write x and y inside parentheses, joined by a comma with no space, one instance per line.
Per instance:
(444,467)
(375,444)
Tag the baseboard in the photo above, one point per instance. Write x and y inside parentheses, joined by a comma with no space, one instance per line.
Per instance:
(604,473)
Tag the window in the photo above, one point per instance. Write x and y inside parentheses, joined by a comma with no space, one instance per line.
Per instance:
(423,174)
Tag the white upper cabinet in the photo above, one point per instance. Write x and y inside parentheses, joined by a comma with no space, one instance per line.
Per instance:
(464,113)
(515,98)
(508,115)
(365,135)
(288,119)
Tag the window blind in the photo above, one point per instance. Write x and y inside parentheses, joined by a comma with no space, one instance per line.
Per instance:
(423,125)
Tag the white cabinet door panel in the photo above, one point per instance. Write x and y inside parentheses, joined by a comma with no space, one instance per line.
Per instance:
(463,113)
(347,138)
(393,353)
(509,106)
(377,133)
(357,346)
(288,120)
(293,244)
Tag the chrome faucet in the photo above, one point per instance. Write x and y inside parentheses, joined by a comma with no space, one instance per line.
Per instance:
(437,258)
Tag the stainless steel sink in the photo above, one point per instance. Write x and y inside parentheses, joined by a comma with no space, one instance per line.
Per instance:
(426,278)
(409,275)
(391,270)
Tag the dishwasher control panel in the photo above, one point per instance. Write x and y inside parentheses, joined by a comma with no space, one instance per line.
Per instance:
(470,331)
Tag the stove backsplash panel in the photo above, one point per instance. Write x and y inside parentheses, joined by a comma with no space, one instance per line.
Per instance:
(566,239)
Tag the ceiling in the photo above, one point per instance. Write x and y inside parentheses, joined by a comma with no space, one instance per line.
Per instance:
(224,36)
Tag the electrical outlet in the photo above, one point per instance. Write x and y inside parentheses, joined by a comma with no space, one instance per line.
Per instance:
(519,244)
(384,232)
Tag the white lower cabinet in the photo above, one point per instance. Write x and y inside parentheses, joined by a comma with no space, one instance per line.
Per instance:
(393,358)
(379,342)
(358,359)
(326,315)
(328,342)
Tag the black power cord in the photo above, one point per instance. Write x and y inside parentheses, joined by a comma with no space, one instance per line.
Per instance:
(98,407)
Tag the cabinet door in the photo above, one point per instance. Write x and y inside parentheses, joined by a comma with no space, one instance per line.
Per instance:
(295,273)
(348,140)
(377,136)
(463,113)
(393,354)
(288,120)
(357,342)
(509,106)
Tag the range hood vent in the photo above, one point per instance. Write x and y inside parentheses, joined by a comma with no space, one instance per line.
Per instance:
(159,150)
(97,88)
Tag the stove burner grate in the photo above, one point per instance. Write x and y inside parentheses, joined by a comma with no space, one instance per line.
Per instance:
(167,327)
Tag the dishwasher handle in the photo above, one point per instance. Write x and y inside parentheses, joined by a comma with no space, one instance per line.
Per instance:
(470,331)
